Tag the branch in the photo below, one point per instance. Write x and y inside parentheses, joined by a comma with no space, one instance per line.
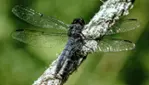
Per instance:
(109,12)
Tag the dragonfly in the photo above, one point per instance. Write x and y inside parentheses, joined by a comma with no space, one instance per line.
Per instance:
(53,29)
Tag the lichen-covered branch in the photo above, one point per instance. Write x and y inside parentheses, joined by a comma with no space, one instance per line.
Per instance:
(109,12)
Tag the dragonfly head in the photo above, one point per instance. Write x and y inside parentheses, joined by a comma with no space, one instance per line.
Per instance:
(79,21)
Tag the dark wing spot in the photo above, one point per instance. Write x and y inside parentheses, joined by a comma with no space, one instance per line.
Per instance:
(20,30)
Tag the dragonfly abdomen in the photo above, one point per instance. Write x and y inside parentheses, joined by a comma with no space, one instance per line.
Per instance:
(67,52)
(68,59)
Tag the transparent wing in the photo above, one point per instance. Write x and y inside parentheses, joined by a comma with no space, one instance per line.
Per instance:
(124,26)
(38,19)
(115,45)
(41,39)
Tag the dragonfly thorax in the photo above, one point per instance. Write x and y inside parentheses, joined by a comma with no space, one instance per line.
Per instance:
(76,27)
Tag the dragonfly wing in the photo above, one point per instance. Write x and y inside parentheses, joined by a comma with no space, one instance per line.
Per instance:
(124,26)
(38,19)
(115,45)
(41,39)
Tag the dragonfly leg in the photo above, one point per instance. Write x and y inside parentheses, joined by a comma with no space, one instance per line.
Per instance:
(57,76)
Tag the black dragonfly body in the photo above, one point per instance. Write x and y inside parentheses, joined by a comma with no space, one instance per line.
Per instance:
(69,59)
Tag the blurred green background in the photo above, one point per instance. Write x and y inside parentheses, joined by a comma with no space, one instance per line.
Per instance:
(21,64)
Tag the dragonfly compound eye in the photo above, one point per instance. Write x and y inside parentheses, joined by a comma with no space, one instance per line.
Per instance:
(79,21)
